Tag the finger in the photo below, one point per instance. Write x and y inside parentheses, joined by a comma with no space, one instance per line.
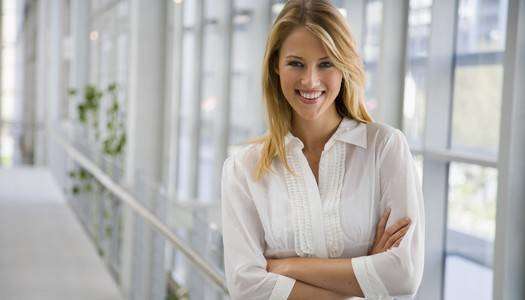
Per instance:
(397,225)
(381,225)
(397,243)
(393,229)
(396,236)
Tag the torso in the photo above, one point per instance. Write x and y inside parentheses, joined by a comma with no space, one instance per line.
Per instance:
(313,161)
(333,219)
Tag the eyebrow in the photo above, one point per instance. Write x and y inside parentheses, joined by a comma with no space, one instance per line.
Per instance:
(295,56)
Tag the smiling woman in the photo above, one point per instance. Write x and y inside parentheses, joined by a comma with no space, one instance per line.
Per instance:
(309,80)
(328,204)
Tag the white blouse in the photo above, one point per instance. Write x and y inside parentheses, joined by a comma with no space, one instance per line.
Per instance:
(364,169)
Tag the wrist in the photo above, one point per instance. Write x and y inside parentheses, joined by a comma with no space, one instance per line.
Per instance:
(286,267)
(292,266)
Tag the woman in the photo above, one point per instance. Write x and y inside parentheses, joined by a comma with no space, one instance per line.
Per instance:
(328,204)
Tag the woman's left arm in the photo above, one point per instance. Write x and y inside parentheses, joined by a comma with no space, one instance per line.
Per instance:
(395,272)
(335,275)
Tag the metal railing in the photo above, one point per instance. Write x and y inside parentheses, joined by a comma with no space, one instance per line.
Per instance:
(126,197)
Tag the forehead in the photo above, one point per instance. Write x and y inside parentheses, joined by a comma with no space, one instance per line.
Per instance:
(301,42)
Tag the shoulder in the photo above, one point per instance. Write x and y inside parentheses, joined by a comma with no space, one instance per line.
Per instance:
(385,138)
(381,133)
(242,160)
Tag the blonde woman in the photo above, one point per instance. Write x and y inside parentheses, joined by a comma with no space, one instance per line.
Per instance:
(328,204)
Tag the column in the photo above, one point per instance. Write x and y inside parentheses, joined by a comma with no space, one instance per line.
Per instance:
(509,261)
(143,274)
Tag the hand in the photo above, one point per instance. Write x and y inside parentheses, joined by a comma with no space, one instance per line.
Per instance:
(392,236)
(277,266)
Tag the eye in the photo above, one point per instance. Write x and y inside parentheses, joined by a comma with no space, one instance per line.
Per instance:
(295,63)
(326,64)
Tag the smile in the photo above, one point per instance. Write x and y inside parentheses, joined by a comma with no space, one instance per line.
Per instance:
(310,97)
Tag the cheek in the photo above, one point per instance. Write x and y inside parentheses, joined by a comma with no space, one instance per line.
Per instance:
(334,83)
(287,81)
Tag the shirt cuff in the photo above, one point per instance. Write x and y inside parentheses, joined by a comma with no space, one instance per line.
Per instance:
(283,288)
(371,285)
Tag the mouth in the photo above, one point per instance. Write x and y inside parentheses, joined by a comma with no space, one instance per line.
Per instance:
(310,97)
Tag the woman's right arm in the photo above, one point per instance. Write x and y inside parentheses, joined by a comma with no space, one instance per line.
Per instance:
(243,237)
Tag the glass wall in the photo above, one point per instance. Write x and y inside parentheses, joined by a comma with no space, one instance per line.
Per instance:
(11,125)
(480,45)
(217,57)
(478,76)
(471,191)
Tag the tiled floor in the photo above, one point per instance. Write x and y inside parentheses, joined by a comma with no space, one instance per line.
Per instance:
(44,252)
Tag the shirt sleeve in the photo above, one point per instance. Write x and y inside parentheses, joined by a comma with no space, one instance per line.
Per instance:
(243,237)
(398,271)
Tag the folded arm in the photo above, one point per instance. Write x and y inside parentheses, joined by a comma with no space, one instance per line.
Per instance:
(334,275)
(394,272)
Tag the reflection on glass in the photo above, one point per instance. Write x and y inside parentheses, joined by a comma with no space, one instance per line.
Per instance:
(11,110)
(187,97)
(212,94)
(481,26)
(477,101)
(472,200)
(415,78)
(249,37)
(478,76)
(470,230)
(372,43)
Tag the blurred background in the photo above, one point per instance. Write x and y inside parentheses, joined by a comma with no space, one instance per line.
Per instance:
(116,117)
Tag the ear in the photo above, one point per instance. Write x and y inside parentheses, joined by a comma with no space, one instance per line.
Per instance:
(276,68)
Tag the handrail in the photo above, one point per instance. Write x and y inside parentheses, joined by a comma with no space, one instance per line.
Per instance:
(21,124)
(128,199)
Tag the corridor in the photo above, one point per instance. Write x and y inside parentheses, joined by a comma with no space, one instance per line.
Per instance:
(45,251)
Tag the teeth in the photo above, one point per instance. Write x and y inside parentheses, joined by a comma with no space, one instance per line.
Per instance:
(310,95)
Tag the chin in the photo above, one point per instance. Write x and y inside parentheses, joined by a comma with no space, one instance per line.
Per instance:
(310,116)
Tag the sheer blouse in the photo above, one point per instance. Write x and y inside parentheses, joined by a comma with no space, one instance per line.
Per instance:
(364,169)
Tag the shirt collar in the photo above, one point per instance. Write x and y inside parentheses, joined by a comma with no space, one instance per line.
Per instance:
(349,131)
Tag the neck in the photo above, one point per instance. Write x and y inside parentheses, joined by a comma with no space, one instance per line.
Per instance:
(315,133)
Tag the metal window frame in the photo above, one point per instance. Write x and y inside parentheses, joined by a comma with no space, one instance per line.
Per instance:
(509,266)
(435,171)
(195,117)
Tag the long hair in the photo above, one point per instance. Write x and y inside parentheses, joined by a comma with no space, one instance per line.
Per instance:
(324,21)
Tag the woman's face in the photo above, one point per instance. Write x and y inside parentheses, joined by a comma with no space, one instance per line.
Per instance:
(309,80)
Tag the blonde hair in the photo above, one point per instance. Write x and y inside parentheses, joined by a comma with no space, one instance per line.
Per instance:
(324,21)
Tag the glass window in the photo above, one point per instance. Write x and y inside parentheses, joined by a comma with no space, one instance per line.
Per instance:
(247,114)
(478,76)
(416,72)
(212,96)
(470,231)
(108,62)
(187,93)
(11,111)
(372,44)
(477,101)
(481,26)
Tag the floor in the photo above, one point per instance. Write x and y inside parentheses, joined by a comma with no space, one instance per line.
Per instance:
(465,280)
(44,252)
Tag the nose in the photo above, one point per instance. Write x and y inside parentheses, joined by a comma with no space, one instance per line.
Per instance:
(310,78)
